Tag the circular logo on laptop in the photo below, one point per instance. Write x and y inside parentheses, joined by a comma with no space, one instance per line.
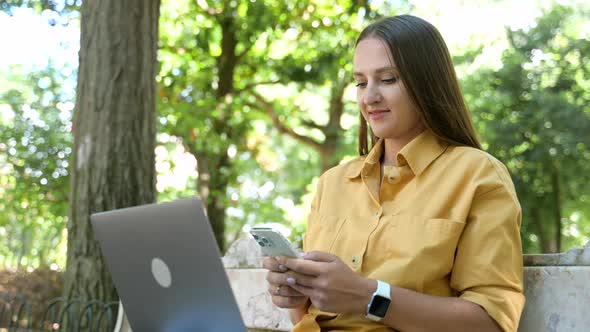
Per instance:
(161,272)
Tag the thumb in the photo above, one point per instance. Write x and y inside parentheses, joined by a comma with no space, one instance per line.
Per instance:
(320,256)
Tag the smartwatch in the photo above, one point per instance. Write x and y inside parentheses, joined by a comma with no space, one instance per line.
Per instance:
(379,303)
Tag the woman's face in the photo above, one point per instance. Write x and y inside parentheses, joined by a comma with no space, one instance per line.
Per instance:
(381,94)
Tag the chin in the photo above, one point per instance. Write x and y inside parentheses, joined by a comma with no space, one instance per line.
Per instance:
(380,133)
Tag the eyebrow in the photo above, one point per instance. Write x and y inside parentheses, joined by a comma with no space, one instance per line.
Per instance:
(378,70)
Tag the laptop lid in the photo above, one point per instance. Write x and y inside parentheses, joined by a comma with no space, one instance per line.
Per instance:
(167,268)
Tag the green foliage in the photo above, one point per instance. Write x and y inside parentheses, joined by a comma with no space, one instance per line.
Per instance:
(198,106)
(531,111)
(533,114)
(59,7)
(35,144)
(294,56)
(56,12)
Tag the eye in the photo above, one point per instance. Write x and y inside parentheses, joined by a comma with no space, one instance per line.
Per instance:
(361,84)
(389,80)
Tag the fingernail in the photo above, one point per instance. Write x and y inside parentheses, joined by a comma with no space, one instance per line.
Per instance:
(283,268)
(291,281)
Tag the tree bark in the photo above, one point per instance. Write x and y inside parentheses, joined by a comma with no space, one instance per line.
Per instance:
(333,129)
(211,187)
(114,130)
(541,233)
(227,61)
(556,204)
(212,181)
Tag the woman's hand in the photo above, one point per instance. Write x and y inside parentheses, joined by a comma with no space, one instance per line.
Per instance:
(280,280)
(330,284)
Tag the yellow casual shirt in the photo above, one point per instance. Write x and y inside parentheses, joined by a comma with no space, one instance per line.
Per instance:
(445,222)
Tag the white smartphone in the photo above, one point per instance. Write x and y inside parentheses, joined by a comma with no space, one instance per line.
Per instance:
(273,243)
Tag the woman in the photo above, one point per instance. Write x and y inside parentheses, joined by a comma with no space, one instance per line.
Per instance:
(421,233)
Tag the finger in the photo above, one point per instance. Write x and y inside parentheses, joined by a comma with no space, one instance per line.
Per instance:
(302,279)
(307,291)
(290,291)
(302,266)
(275,290)
(288,302)
(270,263)
(320,256)
(279,278)
(283,290)
(289,278)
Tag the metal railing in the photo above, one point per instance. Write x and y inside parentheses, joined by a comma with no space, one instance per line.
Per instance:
(59,314)
(15,311)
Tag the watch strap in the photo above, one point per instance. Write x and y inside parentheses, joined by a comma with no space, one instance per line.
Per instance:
(383,290)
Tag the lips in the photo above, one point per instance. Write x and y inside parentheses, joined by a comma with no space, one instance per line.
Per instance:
(377,114)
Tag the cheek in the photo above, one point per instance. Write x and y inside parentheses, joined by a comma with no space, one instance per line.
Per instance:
(396,96)
(359,102)
(363,110)
(401,102)
(359,97)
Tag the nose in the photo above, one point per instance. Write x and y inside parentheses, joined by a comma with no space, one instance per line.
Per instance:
(372,95)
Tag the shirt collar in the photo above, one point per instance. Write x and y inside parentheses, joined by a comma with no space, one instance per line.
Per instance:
(367,162)
(422,151)
(418,154)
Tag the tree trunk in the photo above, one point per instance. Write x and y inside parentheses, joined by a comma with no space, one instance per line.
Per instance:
(328,154)
(556,204)
(227,61)
(541,233)
(333,130)
(213,182)
(211,187)
(114,130)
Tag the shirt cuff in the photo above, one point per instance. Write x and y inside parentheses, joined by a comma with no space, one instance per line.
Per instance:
(503,305)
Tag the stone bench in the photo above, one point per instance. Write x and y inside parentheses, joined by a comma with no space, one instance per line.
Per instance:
(557,289)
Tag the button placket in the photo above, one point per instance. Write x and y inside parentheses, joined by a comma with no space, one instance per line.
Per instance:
(377,214)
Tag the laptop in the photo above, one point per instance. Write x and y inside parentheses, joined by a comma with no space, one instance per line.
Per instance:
(167,268)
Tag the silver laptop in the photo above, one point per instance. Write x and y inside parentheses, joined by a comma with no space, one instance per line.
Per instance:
(167,268)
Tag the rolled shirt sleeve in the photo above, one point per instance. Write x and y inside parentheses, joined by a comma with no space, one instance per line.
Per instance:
(488,267)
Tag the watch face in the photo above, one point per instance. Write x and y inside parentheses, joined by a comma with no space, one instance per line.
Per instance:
(379,306)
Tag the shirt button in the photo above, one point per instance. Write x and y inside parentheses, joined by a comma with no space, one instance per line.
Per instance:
(355,260)
(377,216)
(393,175)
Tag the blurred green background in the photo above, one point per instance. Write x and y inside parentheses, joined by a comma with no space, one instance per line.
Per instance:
(288,112)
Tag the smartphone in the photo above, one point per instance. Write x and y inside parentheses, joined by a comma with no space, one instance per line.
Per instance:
(273,243)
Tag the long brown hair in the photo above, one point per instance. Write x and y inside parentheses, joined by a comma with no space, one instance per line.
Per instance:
(426,68)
